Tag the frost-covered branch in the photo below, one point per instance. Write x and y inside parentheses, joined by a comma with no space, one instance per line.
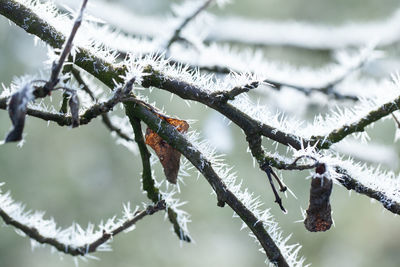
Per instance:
(389,201)
(110,74)
(37,234)
(88,115)
(148,183)
(57,66)
(375,184)
(357,126)
(306,35)
(224,195)
(226,96)
(177,33)
(104,117)
(188,91)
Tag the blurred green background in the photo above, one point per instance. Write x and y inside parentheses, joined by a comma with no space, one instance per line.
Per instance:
(82,176)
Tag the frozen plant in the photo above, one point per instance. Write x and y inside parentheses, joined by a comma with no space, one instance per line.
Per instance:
(187,56)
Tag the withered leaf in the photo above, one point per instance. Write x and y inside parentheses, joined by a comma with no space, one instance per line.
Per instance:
(74,107)
(168,155)
(318,217)
(17,107)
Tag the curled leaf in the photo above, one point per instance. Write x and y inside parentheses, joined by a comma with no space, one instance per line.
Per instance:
(319,211)
(74,107)
(169,156)
(17,107)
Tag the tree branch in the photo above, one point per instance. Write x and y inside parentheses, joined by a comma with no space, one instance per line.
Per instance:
(56,69)
(108,74)
(148,183)
(177,33)
(91,113)
(104,117)
(34,233)
(224,195)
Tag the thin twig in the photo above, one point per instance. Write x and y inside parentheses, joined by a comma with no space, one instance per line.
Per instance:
(282,187)
(396,120)
(224,96)
(56,69)
(104,117)
(278,199)
(177,33)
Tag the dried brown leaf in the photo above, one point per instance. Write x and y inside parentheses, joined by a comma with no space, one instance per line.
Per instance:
(169,156)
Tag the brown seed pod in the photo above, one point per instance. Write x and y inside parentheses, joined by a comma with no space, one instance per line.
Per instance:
(318,217)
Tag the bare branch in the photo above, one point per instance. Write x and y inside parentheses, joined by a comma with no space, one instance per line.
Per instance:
(177,33)
(225,96)
(105,118)
(56,69)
